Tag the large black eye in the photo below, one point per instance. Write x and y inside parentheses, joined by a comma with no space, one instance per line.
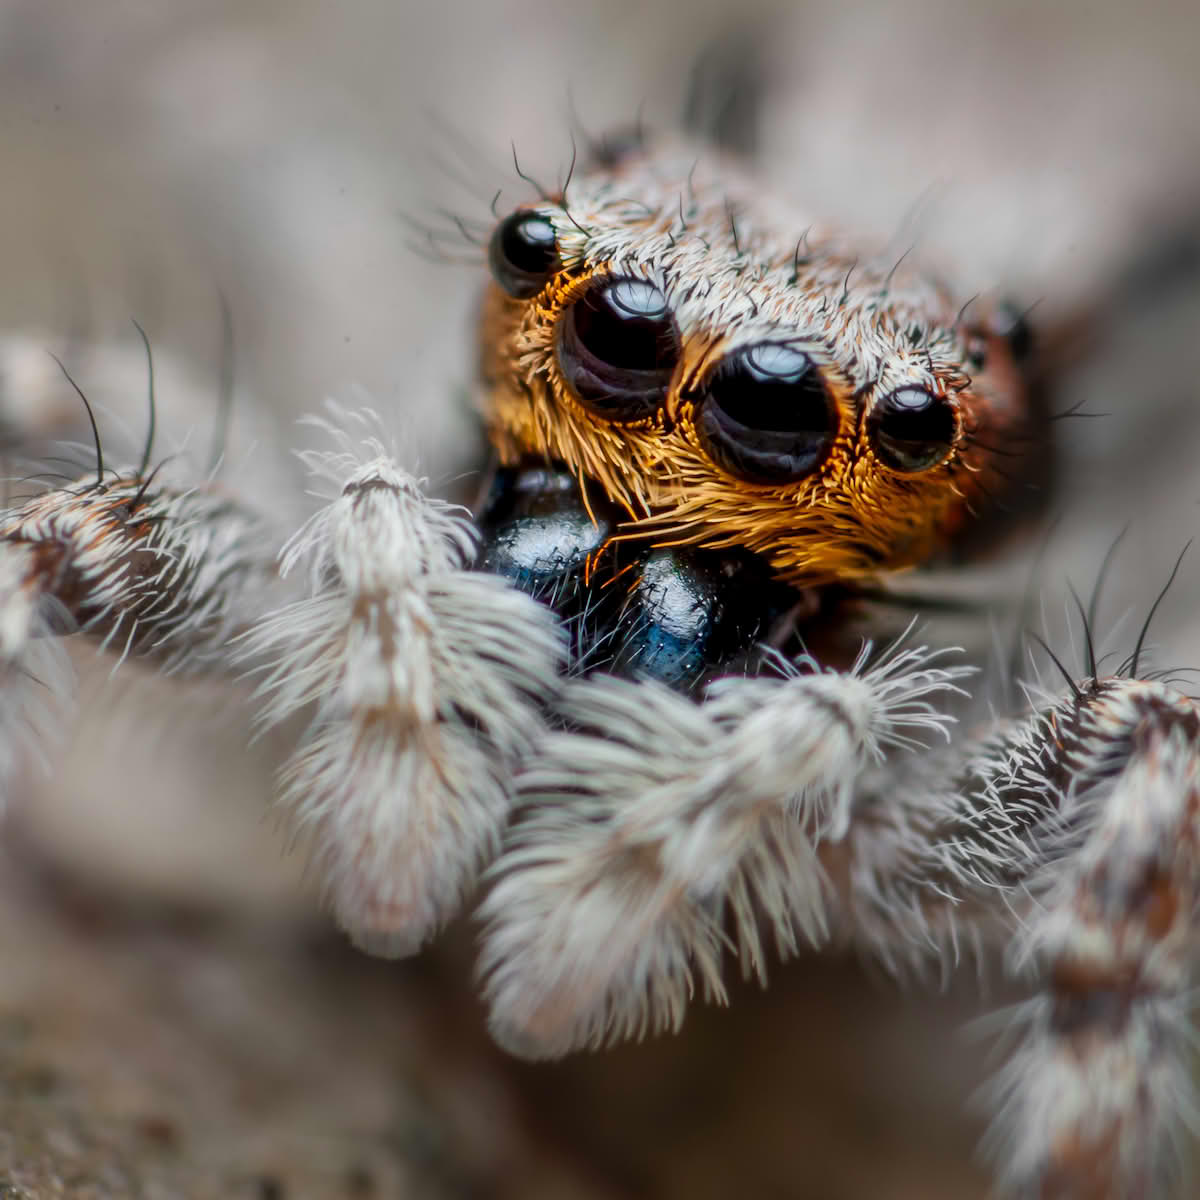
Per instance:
(523,254)
(617,348)
(911,429)
(767,415)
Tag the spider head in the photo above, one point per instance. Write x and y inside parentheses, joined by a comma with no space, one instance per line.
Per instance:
(730,375)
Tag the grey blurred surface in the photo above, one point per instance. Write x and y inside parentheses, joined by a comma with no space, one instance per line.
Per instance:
(156,157)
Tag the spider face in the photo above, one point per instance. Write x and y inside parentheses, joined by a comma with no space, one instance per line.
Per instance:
(729,375)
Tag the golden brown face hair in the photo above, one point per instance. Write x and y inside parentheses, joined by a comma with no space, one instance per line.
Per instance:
(733,375)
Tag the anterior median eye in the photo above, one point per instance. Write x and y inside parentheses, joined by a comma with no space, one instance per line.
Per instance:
(617,348)
(523,254)
(911,429)
(766,415)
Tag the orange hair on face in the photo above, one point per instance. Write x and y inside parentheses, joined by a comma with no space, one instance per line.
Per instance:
(735,277)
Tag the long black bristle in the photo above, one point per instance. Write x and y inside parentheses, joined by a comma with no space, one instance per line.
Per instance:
(91,418)
(149,447)
(1137,650)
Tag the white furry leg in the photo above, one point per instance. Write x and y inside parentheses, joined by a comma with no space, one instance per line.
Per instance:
(1073,835)
(654,818)
(161,572)
(1099,1095)
(155,570)
(427,683)
(33,667)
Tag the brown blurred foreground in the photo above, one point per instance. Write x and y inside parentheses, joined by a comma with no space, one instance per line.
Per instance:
(173,1052)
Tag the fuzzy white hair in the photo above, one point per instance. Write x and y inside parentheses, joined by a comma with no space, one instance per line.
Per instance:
(425,682)
(652,819)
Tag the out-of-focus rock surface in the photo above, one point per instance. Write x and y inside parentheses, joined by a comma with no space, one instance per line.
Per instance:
(172,1052)
(167,1051)
(175,1020)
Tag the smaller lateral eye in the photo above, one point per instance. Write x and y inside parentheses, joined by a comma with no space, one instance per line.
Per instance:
(911,429)
(1013,326)
(523,254)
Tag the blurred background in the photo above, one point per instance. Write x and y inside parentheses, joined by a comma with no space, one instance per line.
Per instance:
(176,1019)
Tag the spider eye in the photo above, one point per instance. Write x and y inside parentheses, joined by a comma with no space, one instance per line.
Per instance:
(911,429)
(614,148)
(1013,326)
(976,356)
(766,415)
(617,348)
(523,254)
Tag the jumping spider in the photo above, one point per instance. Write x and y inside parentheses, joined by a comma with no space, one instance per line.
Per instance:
(627,687)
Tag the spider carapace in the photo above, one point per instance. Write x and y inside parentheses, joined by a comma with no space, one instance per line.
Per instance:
(710,412)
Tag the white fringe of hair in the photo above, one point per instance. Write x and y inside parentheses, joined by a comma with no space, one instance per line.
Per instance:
(652,820)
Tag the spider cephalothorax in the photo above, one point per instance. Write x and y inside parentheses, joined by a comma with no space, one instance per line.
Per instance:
(732,375)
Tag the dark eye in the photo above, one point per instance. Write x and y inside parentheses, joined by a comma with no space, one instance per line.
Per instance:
(614,148)
(977,352)
(617,348)
(1012,324)
(767,415)
(523,254)
(911,429)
